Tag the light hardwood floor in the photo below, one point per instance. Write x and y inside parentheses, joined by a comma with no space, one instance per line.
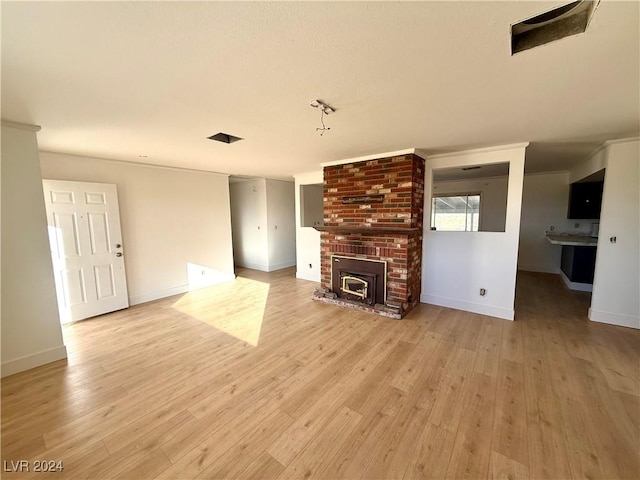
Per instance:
(254,380)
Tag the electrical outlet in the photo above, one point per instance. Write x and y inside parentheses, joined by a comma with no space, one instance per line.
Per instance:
(483,292)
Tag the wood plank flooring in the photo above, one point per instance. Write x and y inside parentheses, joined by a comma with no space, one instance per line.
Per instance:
(252,379)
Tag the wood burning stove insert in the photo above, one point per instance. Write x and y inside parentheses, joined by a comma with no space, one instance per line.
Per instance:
(359,280)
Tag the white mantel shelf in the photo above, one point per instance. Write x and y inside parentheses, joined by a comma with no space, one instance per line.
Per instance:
(573,240)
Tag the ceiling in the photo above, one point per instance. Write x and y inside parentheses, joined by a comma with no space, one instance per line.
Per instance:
(149,81)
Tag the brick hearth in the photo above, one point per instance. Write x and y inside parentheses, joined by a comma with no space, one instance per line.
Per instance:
(374,210)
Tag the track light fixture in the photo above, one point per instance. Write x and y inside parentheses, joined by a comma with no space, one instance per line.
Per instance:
(325,109)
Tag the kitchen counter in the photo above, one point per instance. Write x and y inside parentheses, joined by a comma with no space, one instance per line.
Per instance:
(573,240)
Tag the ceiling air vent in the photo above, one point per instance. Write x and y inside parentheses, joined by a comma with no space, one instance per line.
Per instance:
(564,21)
(224,138)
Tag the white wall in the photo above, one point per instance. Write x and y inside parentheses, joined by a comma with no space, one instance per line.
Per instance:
(616,285)
(262,215)
(493,210)
(456,265)
(281,224)
(31,331)
(545,200)
(174,222)
(249,224)
(307,238)
(594,164)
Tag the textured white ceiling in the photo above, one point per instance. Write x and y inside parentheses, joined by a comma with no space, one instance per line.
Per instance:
(124,79)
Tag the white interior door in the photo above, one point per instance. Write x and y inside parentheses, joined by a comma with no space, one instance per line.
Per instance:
(86,248)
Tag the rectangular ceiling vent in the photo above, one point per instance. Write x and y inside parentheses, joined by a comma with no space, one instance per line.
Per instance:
(224,138)
(564,21)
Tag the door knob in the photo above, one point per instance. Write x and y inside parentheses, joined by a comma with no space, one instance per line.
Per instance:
(119,254)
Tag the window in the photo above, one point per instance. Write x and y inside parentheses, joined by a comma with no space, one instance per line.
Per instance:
(470,198)
(311,205)
(456,213)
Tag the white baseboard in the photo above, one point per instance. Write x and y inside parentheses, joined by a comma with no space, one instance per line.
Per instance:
(580,287)
(253,266)
(151,296)
(539,268)
(32,361)
(312,277)
(280,266)
(267,268)
(614,319)
(498,312)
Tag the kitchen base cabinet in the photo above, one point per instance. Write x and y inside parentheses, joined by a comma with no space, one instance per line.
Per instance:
(578,263)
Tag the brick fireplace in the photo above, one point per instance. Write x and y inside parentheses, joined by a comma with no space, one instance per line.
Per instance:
(373,211)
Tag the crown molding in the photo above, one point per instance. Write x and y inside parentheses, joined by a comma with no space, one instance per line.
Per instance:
(374,156)
(621,140)
(21,126)
(495,148)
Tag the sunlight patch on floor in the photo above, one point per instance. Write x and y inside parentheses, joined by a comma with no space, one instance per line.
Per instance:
(201,276)
(236,308)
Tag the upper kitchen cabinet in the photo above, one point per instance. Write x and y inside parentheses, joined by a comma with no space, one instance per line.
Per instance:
(585,200)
